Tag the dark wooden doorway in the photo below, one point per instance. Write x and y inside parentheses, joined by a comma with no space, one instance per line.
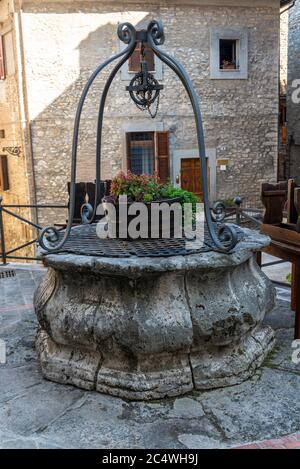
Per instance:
(190,175)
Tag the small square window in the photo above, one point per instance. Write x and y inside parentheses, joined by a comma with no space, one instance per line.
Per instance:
(229,54)
(2,133)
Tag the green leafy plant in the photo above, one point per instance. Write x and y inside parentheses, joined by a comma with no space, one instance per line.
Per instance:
(147,188)
(186,197)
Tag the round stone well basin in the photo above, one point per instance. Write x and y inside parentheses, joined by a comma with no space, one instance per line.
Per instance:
(148,328)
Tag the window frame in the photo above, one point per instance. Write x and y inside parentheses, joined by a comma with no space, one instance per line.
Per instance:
(235,59)
(160,142)
(131,143)
(240,35)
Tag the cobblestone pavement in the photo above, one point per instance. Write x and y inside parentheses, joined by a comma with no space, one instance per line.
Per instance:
(35,413)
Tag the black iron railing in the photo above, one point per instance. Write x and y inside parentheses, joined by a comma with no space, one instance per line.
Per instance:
(244,216)
(251,217)
(7,209)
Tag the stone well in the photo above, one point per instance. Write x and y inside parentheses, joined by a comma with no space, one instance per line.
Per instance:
(148,328)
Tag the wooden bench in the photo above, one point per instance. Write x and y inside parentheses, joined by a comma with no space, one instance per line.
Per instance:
(284,234)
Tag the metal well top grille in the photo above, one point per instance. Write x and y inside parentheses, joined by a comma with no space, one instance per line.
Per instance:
(83,240)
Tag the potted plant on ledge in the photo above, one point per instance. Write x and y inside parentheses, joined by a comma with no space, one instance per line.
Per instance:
(228,65)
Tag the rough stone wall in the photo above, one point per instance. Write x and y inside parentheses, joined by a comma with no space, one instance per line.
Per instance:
(293,96)
(16,233)
(240,116)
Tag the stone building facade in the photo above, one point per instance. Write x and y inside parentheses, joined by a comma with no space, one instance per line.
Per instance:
(60,43)
(16,188)
(293,94)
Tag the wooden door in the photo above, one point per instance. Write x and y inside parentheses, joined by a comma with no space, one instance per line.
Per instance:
(190,176)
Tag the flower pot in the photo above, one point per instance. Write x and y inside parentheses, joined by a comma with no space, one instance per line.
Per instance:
(229,67)
(154,227)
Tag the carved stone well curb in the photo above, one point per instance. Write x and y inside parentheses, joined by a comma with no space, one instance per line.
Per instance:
(148,328)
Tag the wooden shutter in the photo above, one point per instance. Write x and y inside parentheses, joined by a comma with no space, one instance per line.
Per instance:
(4,181)
(150,58)
(2,65)
(162,155)
(134,60)
(134,64)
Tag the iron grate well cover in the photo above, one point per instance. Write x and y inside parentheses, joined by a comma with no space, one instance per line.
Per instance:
(83,240)
(7,273)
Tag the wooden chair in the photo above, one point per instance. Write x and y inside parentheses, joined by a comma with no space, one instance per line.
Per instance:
(274,197)
(284,233)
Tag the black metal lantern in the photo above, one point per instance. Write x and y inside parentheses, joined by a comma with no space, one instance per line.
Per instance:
(144,91)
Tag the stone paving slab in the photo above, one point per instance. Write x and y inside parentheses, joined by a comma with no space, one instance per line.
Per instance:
(278,272)
(35,413)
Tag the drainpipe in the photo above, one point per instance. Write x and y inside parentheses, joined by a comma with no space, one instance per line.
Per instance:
(290,140)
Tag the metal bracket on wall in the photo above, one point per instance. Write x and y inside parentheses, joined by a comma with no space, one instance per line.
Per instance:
(15,151)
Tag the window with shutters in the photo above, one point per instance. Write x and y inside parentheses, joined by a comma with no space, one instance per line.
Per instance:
(134,63)
(2,62)
(148,152)
(4,180)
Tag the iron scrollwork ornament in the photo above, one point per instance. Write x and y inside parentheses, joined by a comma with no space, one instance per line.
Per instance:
(218,212)
(144,90)
(14,151)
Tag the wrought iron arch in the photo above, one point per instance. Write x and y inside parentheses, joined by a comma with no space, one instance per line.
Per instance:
(223,236)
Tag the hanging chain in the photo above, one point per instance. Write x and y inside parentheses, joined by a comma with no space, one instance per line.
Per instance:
(148,108)
(144,88)
(152,114)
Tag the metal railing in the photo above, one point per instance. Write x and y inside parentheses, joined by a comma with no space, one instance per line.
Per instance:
(5,208)
(253,218)
(241,215)
(235,214)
